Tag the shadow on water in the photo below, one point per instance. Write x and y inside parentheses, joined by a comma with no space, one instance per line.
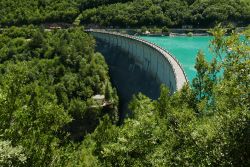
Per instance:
(127,77)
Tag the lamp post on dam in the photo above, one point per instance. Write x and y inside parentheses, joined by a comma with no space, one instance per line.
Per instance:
(148,56)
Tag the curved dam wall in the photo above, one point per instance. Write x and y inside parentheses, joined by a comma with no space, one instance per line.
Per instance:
(149,57)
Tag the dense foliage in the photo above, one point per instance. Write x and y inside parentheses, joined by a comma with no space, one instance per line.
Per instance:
(49,78)
(15,12)
(86,4)
(47,83)
(171,13)
(126,13)
(37,11)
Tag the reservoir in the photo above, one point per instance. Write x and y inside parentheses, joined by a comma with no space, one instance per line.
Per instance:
(184,49)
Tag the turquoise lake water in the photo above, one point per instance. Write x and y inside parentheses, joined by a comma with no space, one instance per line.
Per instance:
(184,49)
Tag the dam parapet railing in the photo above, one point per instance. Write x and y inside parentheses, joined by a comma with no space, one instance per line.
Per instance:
(179,73)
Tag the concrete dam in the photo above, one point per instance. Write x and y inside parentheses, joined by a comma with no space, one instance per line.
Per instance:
(149,57)
(138,66)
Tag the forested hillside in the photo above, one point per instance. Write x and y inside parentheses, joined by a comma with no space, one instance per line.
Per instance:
(47,83)
(171,13)
(59,109)
(17,12)
(126,13)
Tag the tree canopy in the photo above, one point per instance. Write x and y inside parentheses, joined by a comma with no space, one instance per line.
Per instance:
(48,116)
(126,13)
(58,106)
(47,83)
(171,13)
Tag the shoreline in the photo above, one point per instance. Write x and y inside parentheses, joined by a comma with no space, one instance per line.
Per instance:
(176,35)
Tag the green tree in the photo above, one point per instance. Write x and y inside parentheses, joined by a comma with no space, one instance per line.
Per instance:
(199,82)
(165,30)
(11,156)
